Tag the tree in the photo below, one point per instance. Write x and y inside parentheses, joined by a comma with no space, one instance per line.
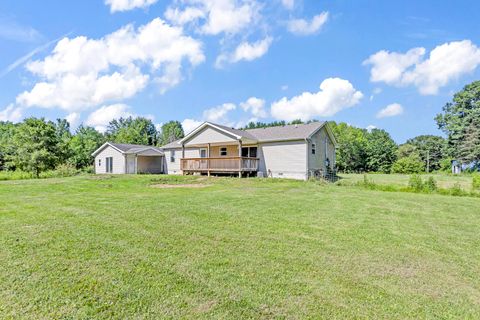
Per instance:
(85,141)
(7,131)
(408,165)
(63,134)
(431,150)
(458,116)
(406,150)
(469,147)
(351,152)
(380,149)
(132,130)
(171,131)
(36,146)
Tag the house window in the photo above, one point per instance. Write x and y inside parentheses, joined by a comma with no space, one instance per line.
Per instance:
(203,153)
(99,162)
(314,148)
(109,163)
(223,152)
(172,156)
(249,152)
(253,152)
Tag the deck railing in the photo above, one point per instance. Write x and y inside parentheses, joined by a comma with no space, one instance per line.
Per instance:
(220,164)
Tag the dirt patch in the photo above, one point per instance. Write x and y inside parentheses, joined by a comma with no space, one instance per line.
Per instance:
(172,186)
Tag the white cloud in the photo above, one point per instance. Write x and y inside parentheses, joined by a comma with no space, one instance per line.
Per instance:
(82,73)
(284,87)
(389,67)
(11,113)
(304,27)
(181,17)
(391,110)
(218,16)
(445,63)
(73,118)
(246,51)
(100,118)
(288,4)
(255,106)
(189,125)
(218,114)
(370,127)
(335,95)
(126,5)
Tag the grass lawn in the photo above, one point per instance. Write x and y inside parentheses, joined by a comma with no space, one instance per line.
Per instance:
(93,247)
(443,180)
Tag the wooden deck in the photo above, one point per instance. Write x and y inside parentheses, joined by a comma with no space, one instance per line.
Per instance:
(219,165)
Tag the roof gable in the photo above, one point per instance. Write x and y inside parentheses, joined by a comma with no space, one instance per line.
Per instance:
(126,148)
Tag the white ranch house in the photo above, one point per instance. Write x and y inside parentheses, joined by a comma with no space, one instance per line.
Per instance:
(292,151)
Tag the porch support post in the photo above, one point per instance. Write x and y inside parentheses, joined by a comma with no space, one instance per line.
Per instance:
(181,160)
(240,158)
(208,159)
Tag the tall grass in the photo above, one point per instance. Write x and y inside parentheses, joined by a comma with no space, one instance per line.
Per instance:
(62,171)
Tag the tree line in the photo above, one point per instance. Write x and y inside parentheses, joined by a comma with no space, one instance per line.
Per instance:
(36,145)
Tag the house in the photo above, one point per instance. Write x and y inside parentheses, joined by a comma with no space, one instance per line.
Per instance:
(291,151)
(119,158)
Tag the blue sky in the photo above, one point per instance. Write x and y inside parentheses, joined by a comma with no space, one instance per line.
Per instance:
(386,64)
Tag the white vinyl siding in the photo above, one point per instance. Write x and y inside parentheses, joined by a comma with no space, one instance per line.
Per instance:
(118,161)
(174,167)
(286,159)
(209,135)
(324,149)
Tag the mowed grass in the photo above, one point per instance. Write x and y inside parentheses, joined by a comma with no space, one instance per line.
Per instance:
(118,248)
(444,181)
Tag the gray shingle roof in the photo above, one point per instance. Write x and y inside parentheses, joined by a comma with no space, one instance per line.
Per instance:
(288,132)
(237,132)
(134,148)
(172,145)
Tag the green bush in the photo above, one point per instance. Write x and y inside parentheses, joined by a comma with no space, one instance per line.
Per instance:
(446,165)
(430,185)
(476,181)
(61,171)
(408,165)
(89,170)
(15,175)
(415,183)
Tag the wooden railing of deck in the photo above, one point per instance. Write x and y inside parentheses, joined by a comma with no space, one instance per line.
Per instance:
(220,164)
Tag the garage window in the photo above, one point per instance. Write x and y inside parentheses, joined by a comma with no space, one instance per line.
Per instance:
(99,162)
(172,156)
(223,152)
(314,148)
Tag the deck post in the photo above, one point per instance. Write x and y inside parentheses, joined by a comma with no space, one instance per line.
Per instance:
(239,158)
(183,157)
(208,159)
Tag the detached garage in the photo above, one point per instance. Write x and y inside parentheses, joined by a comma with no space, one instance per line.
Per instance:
(119,158)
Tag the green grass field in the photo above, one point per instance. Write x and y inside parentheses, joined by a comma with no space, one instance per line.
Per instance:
(401,180)
(101,247)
